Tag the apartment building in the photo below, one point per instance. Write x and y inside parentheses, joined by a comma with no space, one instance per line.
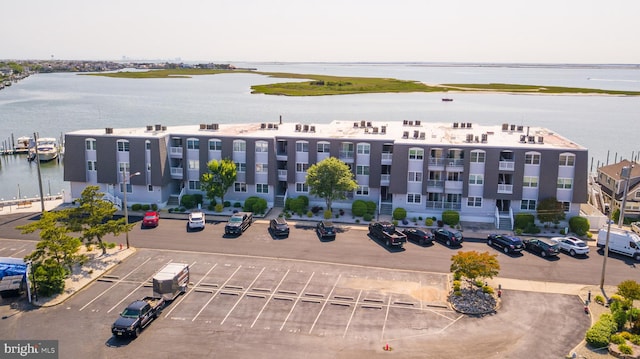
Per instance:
(613,183)
(487,173)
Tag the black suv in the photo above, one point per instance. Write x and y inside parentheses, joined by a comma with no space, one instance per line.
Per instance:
(279,227)
(449,237)
(509,244)
(542,246)
(238,223)
(326,229)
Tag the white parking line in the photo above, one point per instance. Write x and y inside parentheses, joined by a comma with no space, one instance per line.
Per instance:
(386,315)
(130,293)
(325,303)
(174,306)
(296,302)
(352,313)
(270,296)
(242,296)
(113,286)
(216,293)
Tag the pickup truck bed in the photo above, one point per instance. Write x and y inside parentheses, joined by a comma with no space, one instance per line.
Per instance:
(137,316)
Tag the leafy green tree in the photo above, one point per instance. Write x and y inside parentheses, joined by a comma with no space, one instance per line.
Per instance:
(475,265)
(93,217)
(579,225)
(221,176)
(49,276)
(330,179)
(629,289)
(55,242)
(550,210)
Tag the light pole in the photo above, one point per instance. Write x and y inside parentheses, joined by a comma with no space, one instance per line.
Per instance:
(626,175)
(606,254)
(125,178)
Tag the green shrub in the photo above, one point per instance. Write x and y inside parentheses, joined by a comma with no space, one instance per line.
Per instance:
(620,316)
(359,208)
(219,207)
(395,222)
(228,204)
(309,214)
(237,205)
(399,213)
(305,200)
(450,217)
(367,217)
(626,335)
(617,339)
(487,289)
(625,349)
(428,222)
(136,207)
(599,334)
(518,231)
(327,214)
(287,215)
(457,293)
(154,207)
(635,339)
(589,235)
(146,207)
(479,283)
(579,225)
(456,285)
(188,201)
(371,207)
(296,205)
(599,299)
(523,220)
(532,229)
(457,276)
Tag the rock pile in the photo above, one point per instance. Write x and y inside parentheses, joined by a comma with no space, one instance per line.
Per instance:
(473,301)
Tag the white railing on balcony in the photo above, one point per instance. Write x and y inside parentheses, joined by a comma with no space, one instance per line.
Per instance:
(282,175)
(505,188)
(175,151)
(435,183)
(385,179)
(176,172)
(507,165)
(387,156)
(436,161)
(346,154)
(455,162)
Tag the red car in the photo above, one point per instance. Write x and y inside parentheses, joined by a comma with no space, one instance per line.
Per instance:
(151,219)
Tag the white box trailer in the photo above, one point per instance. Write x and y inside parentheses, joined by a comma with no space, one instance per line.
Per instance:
(620,241)
(171,281)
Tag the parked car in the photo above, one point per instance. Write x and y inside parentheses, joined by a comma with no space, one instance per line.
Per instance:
(508,244)
(151,219)
(279,227)
(326,229)
(238,223)
(449,237)
(545,247)
(420,235)
(572,245)
(387,233)
(196,220)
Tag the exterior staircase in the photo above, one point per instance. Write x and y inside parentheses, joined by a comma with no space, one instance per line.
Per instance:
(386,208)
(174,201)
(505,224)
(278,201)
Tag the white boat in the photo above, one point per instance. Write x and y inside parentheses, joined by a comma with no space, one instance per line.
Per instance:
(22,144)
(47,149)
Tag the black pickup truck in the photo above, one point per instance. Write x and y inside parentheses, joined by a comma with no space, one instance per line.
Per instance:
(238,223)
(137,316)
(387,233)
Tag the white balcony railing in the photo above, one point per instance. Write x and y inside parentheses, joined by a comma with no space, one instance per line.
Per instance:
(175,151)
(505,188)
(177,172)
(282,175)
(384,179)
(507,165)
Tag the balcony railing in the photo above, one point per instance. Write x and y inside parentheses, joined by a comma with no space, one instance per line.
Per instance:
(177,172)
(387,156)
(175,151)
(435,183)
(346,155)
(507,165)
(451,162)
(443,205)
(282,175)
(436,161)
(505,188)
(384,179)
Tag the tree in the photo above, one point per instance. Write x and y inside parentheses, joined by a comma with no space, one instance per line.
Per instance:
(474,265)
(221,176)
(550,210)
(93,217)
(629,289)
(330,179)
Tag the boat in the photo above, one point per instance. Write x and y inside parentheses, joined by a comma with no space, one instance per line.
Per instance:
(447,99)
(47,149)
(23,144)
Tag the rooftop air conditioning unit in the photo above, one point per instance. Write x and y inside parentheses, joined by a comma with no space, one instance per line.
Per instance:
(203,126)
(505,127)
(455,125)
(108,130)
(418,122)
(158,127)
(405,134)
(149,128)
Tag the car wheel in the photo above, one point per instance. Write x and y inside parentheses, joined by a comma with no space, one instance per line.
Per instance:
(136,333)
(387,243)
(490,242)
(572,253)
(543,254)
(505,249)
(448,243)
(637,257)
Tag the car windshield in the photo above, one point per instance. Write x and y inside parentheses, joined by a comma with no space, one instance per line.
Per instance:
(457,235)
(151,217)
(130,313)
(328,227)
(580,244)
(235,219)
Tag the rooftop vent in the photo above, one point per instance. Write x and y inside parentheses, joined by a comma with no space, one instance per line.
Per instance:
(422,135)
(513,127)
(523,138)
(484,138)
(383,129)
(410,123)
(418,122)
(305,128)
(463,125)
(416,134)
(270,126)
(363,123)
(540,139)
(215,126)
(275,126)
(519,128)
(312,128)
(164,128)
(369,124)
(468,124)
(263,125)
(298,127)
(405,134)
(108,130)
(150,127)
(532,139)
(203,126)
(375,130)
(505,127)
(158,127)
(405,122)
(455,125)
(355,125)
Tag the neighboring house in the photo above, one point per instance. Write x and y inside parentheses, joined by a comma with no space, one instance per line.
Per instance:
(486,173)
(613,185)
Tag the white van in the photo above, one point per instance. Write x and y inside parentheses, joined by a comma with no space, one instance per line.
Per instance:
(621,241)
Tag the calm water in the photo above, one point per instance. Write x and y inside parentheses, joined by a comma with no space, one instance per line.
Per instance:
(52,104)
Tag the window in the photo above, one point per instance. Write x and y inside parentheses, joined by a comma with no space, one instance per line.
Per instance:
(566,206)
(565,183)
(123,167)
(129,187)
(261,168)
(193,144)
(567,160)
(147,145)
(239,146)
(637,196)
(528,205)
(262,146)
(123,146)
(453,176)
(416,153)
(530,181)
(362,170)
(477,156)
(474,201)
(90,144)
(194,185)
(323,147)
(241,167)
(262,188)
(91,165)
(194,164)
(302,146)
(476,179)
(414,177)
(148,167)
(215,145)
(414,198)
(150,188)
(302,167)
(532,158)
(240,187)
(364,148)
(362,191)
(453,198)
(302,187)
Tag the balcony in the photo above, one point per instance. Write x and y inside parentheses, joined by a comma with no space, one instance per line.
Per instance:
(282,175)
(435,185)
(346,155)
(175,151)
(505,188)
(436,162)
(507,165)
(384,180)
(453,186)
(451,162)
(177,172)
(386,158)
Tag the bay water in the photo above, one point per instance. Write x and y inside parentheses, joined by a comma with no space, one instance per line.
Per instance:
(53,104)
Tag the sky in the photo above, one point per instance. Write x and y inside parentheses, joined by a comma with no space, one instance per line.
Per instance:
(495,31)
